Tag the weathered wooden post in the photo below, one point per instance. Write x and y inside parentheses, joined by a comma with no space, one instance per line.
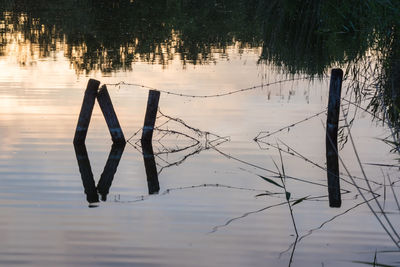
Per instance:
(107,109)
(86,111)
(86,174)
(335,88)
(110,169)
(150,166)
(151,115)
(146,141)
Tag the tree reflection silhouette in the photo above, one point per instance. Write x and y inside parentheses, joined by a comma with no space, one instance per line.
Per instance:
(298,37)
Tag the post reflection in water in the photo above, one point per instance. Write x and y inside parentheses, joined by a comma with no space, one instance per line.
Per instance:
(110,169)
(332,164)
(92,192)
(86,174)
(150,166)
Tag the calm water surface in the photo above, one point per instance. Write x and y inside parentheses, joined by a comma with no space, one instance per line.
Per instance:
(213,208)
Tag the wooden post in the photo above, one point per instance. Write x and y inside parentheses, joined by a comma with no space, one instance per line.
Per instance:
(151,115)
(86,111)
(150,166)
(146,141)
(110,169)
(107,108)
(332,122)
(86,174)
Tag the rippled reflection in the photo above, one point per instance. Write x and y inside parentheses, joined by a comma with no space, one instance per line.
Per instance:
(295,36)
(109,35)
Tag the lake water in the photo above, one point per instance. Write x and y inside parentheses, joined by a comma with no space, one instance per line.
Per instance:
(220,201)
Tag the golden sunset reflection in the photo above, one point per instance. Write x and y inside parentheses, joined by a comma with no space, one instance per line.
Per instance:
(51,88)
(237,172)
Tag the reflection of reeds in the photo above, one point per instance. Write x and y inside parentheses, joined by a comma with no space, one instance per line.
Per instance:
(394,194)
(374,262)
(289,150)
(370,188)
(275,173)
(375,78)
(363,196)
(228,222)
(346,131)
(311,231)
(244,215)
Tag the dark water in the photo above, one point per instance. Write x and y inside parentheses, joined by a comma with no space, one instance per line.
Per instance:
(220,200)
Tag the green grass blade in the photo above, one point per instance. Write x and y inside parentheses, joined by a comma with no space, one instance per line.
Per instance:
(270,181)
(299,200)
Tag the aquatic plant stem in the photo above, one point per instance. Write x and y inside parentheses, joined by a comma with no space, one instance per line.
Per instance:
(283,177)
(394,194)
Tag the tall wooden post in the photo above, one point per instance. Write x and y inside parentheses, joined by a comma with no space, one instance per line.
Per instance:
(108,111)
(110,169)
(151,115)
(86,111)
(335,88)
(146,141)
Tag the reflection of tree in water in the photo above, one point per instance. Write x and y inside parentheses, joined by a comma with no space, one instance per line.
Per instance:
(111,35)
(296,36)
(300,36)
